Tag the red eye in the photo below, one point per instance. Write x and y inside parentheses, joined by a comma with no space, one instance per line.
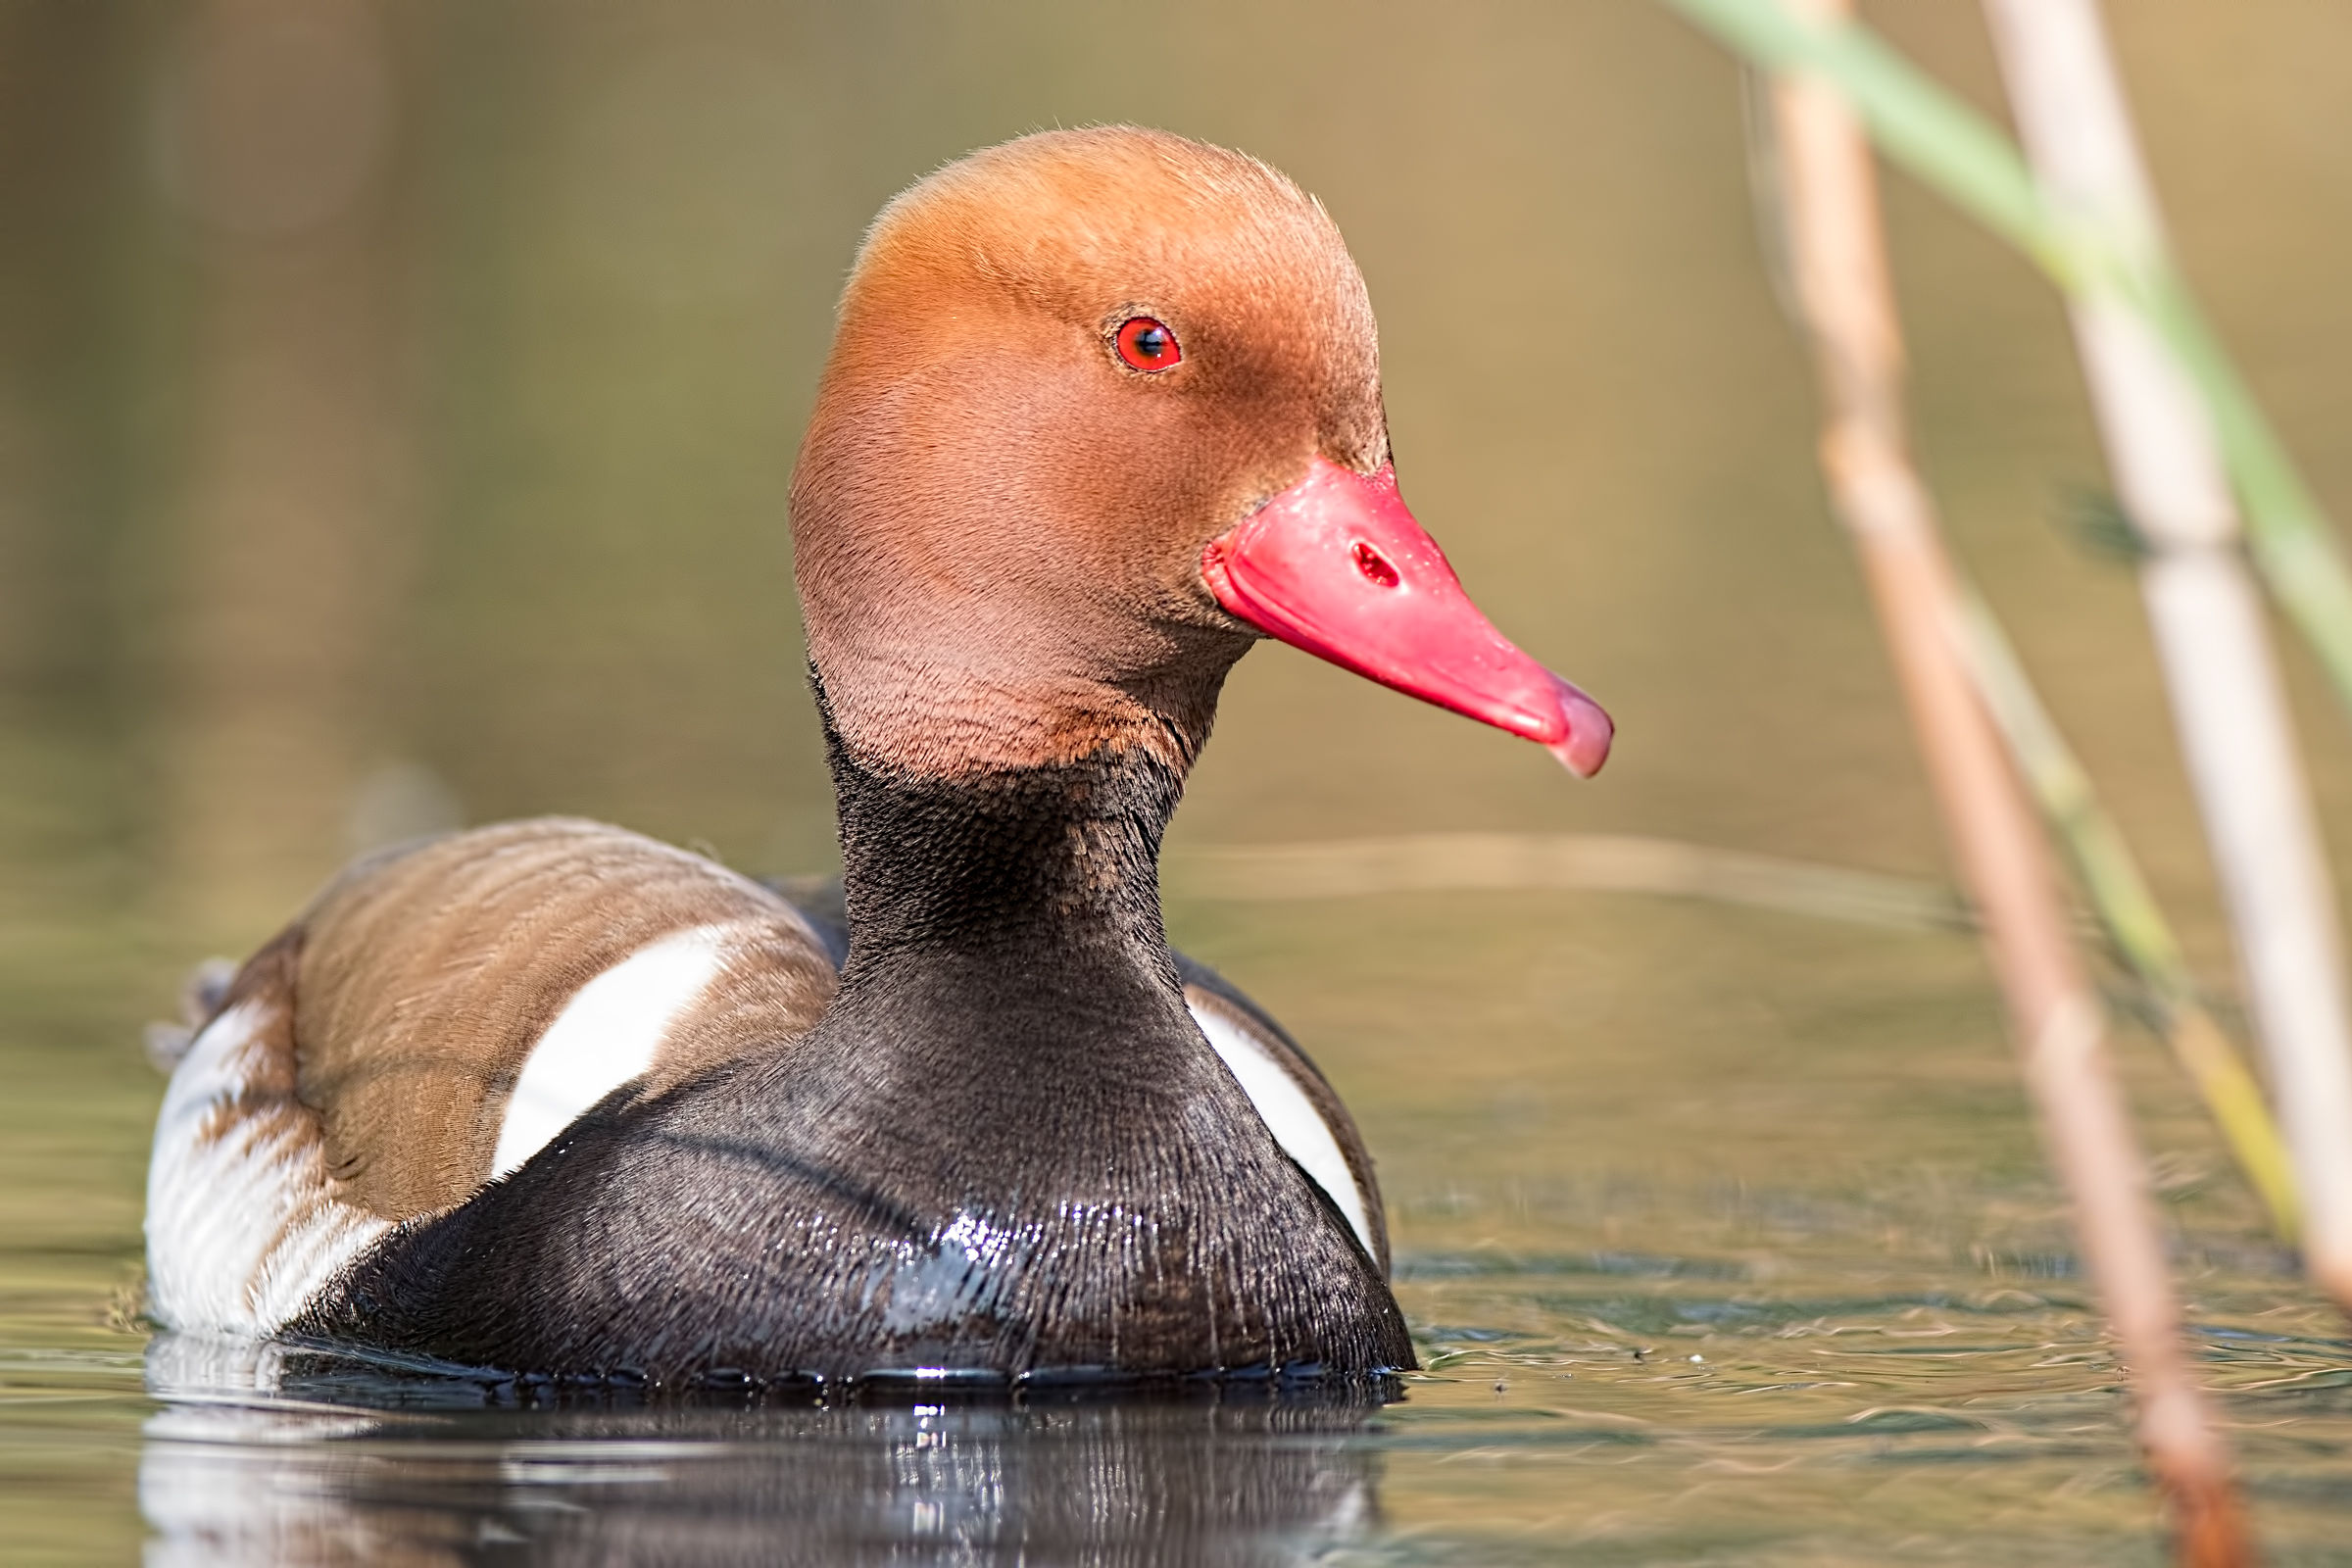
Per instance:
(1146,345)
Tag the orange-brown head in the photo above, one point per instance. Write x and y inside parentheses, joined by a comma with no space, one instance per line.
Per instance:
(1102,406)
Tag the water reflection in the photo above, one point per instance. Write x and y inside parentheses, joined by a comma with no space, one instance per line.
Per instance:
(262,1454)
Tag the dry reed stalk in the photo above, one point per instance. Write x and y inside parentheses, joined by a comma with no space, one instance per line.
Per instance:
(2130,916)
(1961,154)
(1588,863)
(2227,703)
(1840,273)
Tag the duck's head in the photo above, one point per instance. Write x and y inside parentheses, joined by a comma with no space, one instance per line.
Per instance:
(1103,408)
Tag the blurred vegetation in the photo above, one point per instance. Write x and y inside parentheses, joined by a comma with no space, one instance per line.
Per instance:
(455,486)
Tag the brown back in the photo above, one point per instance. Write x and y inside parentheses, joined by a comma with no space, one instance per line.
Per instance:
(428,976)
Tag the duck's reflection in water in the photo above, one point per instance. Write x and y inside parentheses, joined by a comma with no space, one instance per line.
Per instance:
(261,1454)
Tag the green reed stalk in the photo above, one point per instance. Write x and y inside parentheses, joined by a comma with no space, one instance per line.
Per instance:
(2127,911)
(1965,158)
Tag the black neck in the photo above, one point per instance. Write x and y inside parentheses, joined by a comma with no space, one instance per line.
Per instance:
(1055,864)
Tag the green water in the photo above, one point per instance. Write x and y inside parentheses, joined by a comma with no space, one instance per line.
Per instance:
(457,493)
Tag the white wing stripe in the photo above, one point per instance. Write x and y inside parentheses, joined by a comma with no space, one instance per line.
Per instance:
(607,1034)
(1289,1116)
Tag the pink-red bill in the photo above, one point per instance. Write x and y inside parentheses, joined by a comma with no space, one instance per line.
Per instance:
(1337,566)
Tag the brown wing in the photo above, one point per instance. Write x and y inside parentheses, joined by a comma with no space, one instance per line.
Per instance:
(427,977)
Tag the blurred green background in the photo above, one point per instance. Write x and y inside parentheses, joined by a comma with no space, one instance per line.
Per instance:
(398,401)
(398,405)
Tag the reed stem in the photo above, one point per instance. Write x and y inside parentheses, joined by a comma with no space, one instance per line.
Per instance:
(1960,154)
(2228,704)
(1598,863)
(1840,268)
(2128,914)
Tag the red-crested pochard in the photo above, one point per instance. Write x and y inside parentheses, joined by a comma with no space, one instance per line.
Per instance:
(1102,410)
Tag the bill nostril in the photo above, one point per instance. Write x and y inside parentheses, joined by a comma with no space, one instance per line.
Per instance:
(1374,565)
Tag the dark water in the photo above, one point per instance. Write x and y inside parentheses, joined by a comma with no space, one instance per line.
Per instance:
(426,462)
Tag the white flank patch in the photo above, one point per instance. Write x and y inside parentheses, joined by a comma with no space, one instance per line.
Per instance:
(1290,1115)
(607,1034)
(242,1226)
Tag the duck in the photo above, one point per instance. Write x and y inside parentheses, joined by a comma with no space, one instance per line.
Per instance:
(1101,411)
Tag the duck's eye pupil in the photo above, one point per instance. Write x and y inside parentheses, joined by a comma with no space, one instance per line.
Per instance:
(1146,345)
